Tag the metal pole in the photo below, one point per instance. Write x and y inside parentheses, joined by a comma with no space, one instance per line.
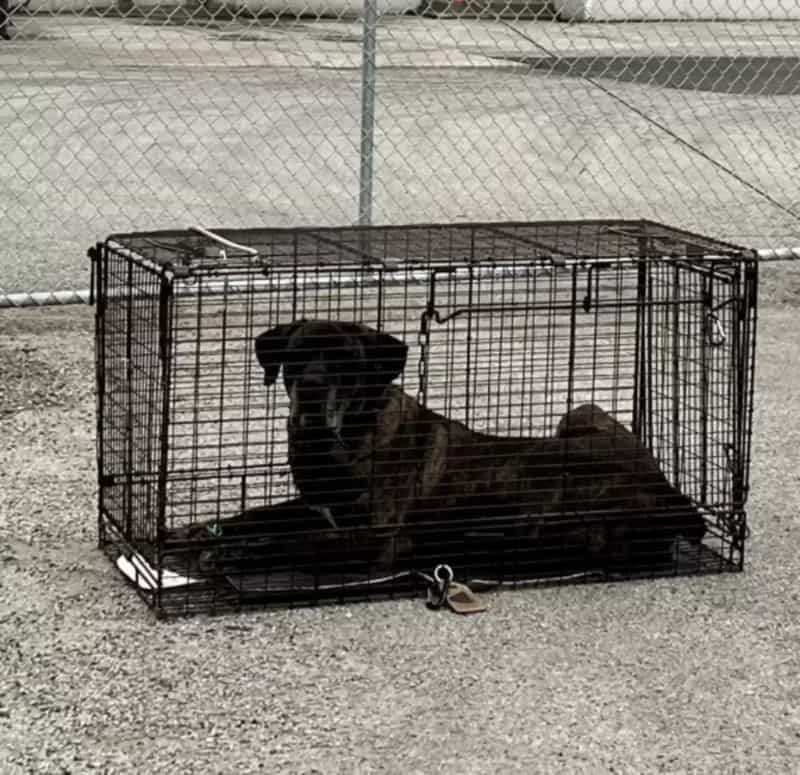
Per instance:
(44,298)
(367,112)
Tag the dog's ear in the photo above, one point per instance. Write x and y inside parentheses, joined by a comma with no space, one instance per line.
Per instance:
(271,349)
(385,353)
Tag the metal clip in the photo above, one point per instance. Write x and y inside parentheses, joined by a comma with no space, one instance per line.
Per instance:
(440,586)
(728,449)
(716,333)
(214,530)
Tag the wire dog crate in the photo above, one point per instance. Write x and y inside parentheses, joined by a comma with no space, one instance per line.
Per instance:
(526,402)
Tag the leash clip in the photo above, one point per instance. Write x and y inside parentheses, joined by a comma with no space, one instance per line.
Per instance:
(444,592)
(439,587)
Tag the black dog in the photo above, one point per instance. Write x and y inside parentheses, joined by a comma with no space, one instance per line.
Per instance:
(364,454)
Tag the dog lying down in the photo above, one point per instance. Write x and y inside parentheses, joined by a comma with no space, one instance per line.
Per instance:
(386,483)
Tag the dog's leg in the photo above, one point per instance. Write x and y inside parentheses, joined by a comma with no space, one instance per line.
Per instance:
(284,535)
(286,517)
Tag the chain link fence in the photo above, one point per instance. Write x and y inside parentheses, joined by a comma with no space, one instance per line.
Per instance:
(125,115)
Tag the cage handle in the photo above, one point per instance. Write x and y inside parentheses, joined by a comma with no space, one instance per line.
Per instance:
(219,239)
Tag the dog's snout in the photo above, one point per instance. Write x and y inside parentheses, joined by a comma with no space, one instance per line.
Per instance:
(311,395)
(311,381)
(313,375)
(312,388)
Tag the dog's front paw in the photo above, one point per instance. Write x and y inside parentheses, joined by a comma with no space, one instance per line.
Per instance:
(253,556)
(191,533)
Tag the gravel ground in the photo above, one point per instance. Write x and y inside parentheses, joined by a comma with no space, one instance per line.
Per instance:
(681,676)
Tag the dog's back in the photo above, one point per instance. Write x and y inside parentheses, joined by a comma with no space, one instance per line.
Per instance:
(424,468)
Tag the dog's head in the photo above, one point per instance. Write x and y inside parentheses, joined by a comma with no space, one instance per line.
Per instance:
(329,368)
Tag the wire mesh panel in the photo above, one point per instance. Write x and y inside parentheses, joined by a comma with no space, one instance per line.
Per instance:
(306,414)
(131,367)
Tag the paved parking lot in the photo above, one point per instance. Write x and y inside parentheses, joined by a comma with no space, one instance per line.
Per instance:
(114,124)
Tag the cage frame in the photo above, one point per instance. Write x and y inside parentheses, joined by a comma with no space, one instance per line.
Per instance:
(168,274)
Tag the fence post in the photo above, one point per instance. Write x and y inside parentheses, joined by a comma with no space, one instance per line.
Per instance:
(367,112)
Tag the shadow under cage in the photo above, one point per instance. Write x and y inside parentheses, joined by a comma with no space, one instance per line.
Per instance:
(296,415)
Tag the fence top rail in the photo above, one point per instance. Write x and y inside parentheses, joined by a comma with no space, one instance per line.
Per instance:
(188,286)
(47,298)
